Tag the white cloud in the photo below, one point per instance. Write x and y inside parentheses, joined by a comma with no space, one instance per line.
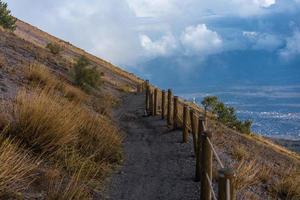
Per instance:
(106,28)
(168,8)
(250,34)
(201,40)
(120,31)
(161,47)
(152,8)
(263,41)
(264,3)
(292,47)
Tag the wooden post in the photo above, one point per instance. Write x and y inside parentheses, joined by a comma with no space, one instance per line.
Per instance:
(155,102)
(143,87)
(207,166)
(193,125)
(226,185)
(152,99)
(175,113)
(151,104)
(169,114)
(147,95)
(185,132)
(163,103)
(199,150)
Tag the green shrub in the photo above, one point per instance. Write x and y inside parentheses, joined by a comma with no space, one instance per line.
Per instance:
(226,114)
(54,48)
(7,21)
(84,75)
(209,102)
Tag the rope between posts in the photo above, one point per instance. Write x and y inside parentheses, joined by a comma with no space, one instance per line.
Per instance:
(215,153)
(211,187)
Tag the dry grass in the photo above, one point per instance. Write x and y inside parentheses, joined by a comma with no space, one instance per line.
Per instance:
(49,123)
(74,94)
(77,140)
(239,153)
(44,121)
(73,188)
(39,75)
(99,139)
(288,187)
(104,104)
(249,174)
(17,168)
(71,160)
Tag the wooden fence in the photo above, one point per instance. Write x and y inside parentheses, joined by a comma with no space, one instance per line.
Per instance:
(188,117)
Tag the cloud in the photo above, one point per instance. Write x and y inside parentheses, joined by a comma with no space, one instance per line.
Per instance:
(167,8)
(163,46)
(263,41)
(153,8)
(292,48)
(264,3)
(200,40)
(126,32)
(106,28)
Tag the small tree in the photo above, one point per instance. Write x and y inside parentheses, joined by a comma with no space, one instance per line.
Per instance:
(209,104)
(244,126)
(226,114)
(7,21)
(84,75)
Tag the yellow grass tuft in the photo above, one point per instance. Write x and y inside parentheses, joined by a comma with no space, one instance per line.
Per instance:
(39,74)
(48,122)
(74,94)
(17,168)
(73,188)
(239,153)
(288,187)
(45,121)
(99,138)
(249,174)
(72,161)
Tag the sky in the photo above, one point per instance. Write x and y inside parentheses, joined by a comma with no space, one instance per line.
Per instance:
(128,32)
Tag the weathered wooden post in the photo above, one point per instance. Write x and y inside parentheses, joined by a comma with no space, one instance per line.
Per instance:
(175,113)
(206,168)
(143,87)
(155,101)
(185,131)
(193,125)
(199,149)
(151,103)
(152,99)
(226,184)
(163,103)
(169,112)
(147,95)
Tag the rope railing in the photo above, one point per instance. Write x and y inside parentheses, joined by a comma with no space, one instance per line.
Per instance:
(211,187)
(184,115)
(215,153)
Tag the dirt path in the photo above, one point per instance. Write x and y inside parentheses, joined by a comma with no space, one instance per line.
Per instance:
(157,165)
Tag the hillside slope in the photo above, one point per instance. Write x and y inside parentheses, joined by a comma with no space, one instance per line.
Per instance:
(60,139)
